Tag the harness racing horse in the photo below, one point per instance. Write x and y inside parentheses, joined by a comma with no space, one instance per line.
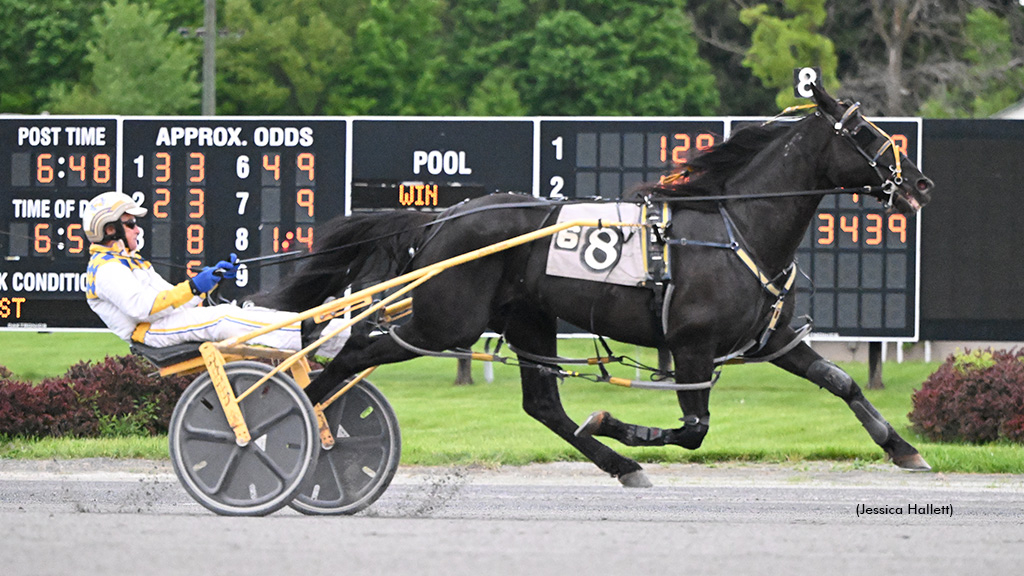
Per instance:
(755,193)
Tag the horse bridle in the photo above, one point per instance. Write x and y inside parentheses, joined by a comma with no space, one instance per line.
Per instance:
(861,133)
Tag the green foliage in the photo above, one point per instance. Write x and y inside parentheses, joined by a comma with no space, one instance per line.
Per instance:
(580,58)
(780,45)
(41,41)
(496,95)
(398,60)
(971,361)
(280,58)
(138,67)
(993,79)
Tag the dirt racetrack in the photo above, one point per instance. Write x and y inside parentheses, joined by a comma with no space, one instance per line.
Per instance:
(93,517)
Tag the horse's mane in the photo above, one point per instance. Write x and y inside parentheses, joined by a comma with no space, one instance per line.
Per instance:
(348,250)
(706,174)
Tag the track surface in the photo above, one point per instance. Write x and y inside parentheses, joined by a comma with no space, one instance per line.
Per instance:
(99,517)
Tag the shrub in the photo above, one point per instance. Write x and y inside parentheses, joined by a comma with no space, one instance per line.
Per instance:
(973,397)
(117,396)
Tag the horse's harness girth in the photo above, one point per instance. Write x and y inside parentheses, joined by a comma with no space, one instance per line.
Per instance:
(778,287)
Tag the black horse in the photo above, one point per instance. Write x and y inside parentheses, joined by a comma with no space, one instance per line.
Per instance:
(720,302)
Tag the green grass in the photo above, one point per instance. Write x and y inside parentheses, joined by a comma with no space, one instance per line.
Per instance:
(34,356)
(759,413)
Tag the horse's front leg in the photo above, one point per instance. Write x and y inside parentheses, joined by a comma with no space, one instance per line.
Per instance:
(805,362)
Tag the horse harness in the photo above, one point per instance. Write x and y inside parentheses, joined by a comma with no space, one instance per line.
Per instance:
(778,287)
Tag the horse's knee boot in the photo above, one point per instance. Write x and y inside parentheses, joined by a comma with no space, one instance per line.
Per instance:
(831,377)
(835,380)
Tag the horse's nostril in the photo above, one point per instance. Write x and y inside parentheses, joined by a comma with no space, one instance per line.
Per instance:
(924,185)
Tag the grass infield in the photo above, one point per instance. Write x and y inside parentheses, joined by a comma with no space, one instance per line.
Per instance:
(759,413)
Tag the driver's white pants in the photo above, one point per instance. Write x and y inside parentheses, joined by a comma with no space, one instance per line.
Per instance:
(215,323)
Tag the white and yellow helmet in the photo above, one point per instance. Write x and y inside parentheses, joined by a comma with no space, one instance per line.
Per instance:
(105,209)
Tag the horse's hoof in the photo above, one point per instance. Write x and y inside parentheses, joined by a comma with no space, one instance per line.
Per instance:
(635,479)
(912,462)
(590,425)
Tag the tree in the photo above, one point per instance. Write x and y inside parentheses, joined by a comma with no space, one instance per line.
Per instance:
(280,57)
(723,43)
(138,67)
(896,55)
(582,57)
(331,57)
(398,60)
(41,42)
(779,45)
(992,78)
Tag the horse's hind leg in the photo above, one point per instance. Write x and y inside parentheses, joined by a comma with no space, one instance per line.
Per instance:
(805,362)
(536,334)
(694,403)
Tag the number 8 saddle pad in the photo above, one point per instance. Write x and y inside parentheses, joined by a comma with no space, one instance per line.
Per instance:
(610,254)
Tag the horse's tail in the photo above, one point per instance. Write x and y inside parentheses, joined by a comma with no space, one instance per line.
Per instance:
(349,249)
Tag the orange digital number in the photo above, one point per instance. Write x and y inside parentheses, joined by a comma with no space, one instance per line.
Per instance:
(190,267)
(162,169)
(163,200)
(678,151)
(101,168)
(194,234)
(78,167)
(307,238)
(705,141)
(828,229)
(850,226)
(197,170)
(76,244)
(874,231)
(42,238)
(901,143)
(304,198)
(198,202)
(898,225)
(306,162)
(273,166)
(44,170)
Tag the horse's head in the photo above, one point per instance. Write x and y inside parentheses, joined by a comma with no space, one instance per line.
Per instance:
(864,155)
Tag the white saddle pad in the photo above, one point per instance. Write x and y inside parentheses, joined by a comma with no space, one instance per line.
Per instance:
(613,255)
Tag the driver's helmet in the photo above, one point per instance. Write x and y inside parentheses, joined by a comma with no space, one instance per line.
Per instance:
(105,209)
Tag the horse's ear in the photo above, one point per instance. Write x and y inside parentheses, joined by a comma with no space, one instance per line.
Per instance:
(825,102)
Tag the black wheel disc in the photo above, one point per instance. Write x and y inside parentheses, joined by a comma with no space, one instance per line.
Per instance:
(260,477)
(358,469)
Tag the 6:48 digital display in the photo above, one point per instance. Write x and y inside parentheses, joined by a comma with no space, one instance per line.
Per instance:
(50,167)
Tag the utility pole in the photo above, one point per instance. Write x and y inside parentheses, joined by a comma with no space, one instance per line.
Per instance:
(210,59)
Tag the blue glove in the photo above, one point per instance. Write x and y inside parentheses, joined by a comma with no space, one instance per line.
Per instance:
(211,275)
(227,268)
(204,281)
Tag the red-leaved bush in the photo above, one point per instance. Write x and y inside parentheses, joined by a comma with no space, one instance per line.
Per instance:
(973,397)
(117,396)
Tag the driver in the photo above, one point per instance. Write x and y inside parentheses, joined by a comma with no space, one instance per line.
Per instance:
(138,305)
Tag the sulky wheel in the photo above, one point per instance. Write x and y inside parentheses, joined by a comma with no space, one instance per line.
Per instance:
(359,467)
(260,477)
